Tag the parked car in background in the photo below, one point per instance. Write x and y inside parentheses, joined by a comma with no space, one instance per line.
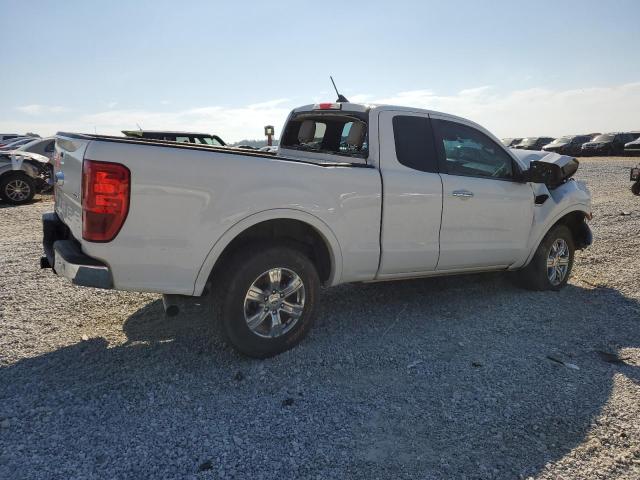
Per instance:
(180,137)
(41,146)
(567,145)
(22,175)
(607,144)
(635,177)
(263,232)
(632,148)
(245,147)
(8,138)
(533,143)
(269,149)
(16,142)
(510,142)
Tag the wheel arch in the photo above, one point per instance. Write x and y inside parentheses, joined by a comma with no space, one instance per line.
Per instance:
(287,225)
(574,219)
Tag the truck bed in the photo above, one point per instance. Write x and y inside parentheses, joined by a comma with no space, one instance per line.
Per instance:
(208,148)
(187,200)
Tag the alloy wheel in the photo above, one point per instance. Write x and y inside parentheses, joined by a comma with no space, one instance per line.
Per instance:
(558,262)
(17,190)
(274,302)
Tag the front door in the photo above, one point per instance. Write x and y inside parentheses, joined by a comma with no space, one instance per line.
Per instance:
(486,215)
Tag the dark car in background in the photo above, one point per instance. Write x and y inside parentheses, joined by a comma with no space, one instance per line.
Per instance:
(533,143)
(17,142)
(180,137)
(567,145)
(510,142)
(633,148)
(607,144)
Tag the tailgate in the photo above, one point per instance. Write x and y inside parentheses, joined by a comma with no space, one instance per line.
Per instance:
(68,181)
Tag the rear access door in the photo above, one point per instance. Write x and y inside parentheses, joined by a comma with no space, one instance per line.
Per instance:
(412,195)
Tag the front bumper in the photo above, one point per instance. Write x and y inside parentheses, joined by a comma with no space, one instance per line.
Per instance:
(583,237)
(63,254)
(599,150)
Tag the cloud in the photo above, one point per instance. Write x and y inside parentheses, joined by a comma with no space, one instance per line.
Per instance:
(535,111)
(530,112)
(232,124)
(36,109)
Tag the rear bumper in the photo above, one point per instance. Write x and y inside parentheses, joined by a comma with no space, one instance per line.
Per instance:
(63,254)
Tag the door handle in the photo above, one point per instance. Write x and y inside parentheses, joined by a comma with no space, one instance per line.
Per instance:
(463,194)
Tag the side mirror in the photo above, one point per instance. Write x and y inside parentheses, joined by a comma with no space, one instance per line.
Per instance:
(551,174)
(543,172)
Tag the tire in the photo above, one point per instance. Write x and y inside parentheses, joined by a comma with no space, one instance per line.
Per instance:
(537,275)
(255,268)
(635,188)
(17,188)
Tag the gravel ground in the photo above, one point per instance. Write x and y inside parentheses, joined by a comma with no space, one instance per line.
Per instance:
(466,377)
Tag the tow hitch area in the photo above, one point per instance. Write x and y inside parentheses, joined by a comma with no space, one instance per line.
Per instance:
(173,303)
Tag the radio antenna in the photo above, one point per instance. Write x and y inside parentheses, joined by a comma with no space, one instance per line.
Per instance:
(341,98)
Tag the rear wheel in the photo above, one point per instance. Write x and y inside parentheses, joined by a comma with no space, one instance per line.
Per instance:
(17,188)
(266,299)
(551,265)
(635,188)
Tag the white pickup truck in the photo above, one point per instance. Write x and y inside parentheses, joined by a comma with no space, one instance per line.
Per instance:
(356,193)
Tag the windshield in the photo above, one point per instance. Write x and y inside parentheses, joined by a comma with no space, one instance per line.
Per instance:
(604,138)
(563,140)
(17,143)
(529,141)
(28,145)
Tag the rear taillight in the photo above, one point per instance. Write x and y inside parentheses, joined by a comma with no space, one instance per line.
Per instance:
(105,199)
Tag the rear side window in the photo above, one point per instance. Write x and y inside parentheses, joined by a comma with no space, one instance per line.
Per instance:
(415,147)
(331,134)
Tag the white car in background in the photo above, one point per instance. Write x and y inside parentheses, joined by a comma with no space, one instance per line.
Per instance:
(26,170)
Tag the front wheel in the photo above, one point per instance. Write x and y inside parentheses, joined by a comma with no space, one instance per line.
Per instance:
(17,188)
(551,265)
(266,299)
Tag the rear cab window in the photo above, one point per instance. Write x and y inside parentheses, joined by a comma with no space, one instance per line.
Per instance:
(335,136)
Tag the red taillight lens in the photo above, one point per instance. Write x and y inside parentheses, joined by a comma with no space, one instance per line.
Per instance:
(105,199)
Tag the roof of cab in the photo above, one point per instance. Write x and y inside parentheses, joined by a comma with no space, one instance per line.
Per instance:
(363,108)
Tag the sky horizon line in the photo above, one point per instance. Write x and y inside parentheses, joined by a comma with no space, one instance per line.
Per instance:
(604,109)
